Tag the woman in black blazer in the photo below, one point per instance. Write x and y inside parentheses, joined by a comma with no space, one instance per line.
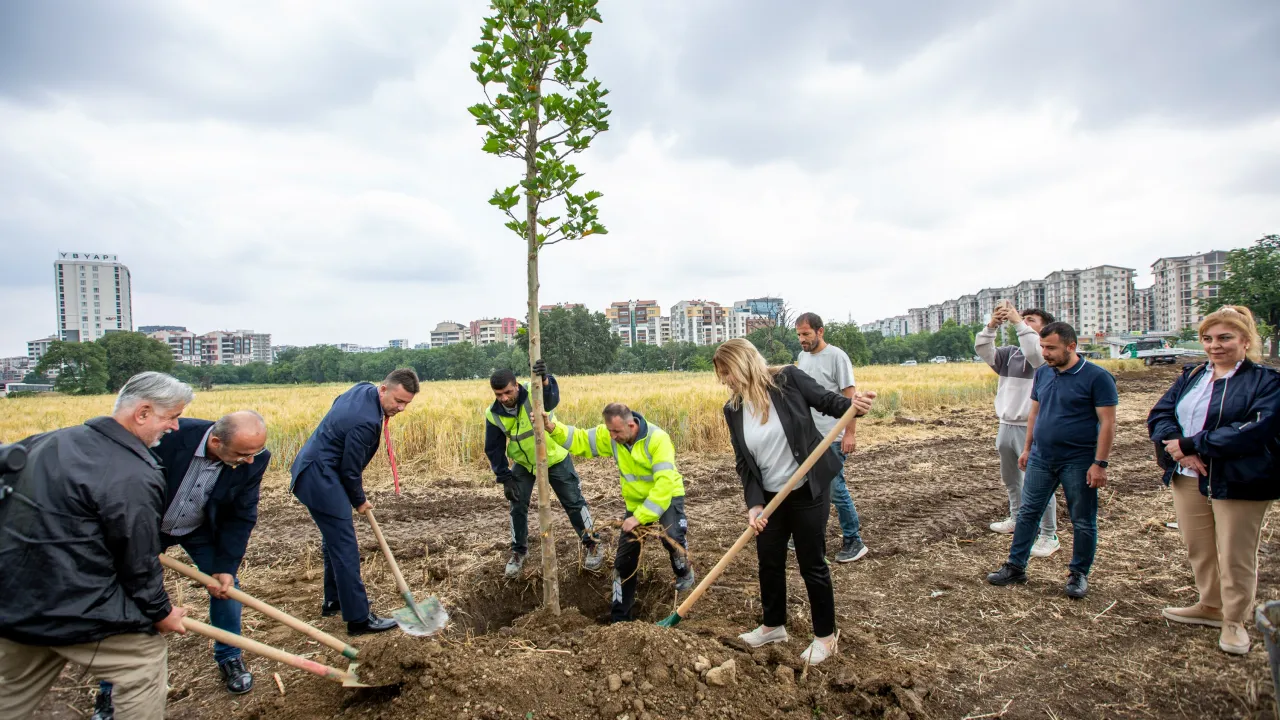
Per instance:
(772,431)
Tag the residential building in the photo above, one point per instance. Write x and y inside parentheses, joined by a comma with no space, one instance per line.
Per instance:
(1028,294)
(951,311)
(897,326)
(148,329)
(449,333)
(700,322)
(92,296)
(186,346)
(989,298)
(1104,300)
(916,320)
(224,347)
(422,346)
(967,312)
(562,306)
(739,324)
(401,344)
(1062,296)
(488,331)
(260,350)
(769,307)
(636,322)
(933,318)
(1142,310)
(1181,283)
(14,369)
(37,348)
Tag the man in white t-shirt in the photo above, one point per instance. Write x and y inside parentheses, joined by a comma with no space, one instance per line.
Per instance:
(830,366)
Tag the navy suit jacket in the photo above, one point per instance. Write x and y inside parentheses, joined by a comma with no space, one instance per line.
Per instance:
(328,474)
(232,509)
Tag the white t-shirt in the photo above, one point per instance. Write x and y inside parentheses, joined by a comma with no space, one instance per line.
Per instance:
(1193,408)
(767,443)
(833,371)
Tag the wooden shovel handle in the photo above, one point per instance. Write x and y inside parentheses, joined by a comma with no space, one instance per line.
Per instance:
(401,585)
(266,651)
(749,533)
(274,613)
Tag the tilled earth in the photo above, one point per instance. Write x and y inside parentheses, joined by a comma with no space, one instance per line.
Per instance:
(922,634)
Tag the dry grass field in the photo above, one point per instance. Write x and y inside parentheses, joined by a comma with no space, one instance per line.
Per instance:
(442,433)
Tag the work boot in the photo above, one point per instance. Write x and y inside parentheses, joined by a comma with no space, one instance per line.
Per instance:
(514,564)
(686,581)
(1194,615)
(592,561)
(1008,574)
(1234,639)
(330,608)
(102,707)
(237,677)
(371,624)
(1077,585)
(853,549)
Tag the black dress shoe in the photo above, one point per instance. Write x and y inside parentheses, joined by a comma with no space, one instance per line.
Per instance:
(372,624)
(102,707)
(1077,585)
(330,608)
(1008,574)
(237,677)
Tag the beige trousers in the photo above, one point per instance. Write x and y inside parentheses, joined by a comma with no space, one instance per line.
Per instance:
(1222,543)
(136,663)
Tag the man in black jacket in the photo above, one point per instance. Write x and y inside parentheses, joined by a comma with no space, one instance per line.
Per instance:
(79,540)
(213,472)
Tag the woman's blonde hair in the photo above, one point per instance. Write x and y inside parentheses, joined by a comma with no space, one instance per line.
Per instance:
(741,367)
(1240,319)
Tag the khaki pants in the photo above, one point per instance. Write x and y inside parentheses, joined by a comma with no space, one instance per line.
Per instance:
(136,663)
(1222,543)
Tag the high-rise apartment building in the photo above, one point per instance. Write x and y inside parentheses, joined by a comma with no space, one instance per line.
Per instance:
(488,331)
(1027,294)
(700,322)
(638,322)
(185,345)
(36,349)
(92,296)
(221,347)
(1181,283)
(1062,296)
(1142,310)
(1104,300)
(739,324)
(989,298)
(148,329)
(916,320)
(449,333)
(399,343)
(968,313)
(769,307)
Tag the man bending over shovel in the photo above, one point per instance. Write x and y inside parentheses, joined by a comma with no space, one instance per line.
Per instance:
(213,473)
(651,488)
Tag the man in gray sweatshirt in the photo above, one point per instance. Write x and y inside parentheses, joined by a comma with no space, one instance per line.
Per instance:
(1016,365)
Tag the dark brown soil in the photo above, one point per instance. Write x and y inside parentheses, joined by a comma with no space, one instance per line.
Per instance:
(922,634)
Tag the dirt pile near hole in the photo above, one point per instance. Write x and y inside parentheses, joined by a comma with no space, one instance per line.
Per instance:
(570,667)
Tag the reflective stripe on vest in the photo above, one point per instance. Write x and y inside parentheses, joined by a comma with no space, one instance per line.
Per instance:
(653,507)
(516,421)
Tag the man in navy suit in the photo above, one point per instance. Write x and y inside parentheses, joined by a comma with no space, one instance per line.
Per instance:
(328,477)
(213,472)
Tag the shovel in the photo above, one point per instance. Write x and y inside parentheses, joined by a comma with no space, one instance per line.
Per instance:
(682,612)
(348,679)
(417,619)
(274,613)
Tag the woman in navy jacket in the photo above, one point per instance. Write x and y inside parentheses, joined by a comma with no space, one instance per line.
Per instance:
(1216,436)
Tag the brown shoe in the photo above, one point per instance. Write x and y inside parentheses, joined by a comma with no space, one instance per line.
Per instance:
(1194,615)
(1234,639)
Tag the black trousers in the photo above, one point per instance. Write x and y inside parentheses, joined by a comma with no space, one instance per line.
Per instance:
(341,553)
(627,562)
(804,518)
(567,486)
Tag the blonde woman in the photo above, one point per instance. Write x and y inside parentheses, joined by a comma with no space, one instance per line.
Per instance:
(1215,432)
(772,430)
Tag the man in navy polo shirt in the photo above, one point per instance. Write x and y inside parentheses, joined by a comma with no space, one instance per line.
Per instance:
(1069,436)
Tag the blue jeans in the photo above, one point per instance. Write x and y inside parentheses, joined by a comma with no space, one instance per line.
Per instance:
(223,614)
(843,501)
(1038,486)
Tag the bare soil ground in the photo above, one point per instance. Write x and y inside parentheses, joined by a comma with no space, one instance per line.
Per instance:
(922,634)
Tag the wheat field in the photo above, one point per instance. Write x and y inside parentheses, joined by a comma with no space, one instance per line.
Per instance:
(443,429)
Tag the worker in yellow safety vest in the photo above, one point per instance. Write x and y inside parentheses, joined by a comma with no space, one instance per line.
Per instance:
(651,488)
(508,443)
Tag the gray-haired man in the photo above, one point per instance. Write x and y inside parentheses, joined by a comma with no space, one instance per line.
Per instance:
(1016,365)
(79,540)
(213,472)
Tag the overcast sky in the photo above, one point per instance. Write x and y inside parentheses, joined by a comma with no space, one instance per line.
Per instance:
(309,169)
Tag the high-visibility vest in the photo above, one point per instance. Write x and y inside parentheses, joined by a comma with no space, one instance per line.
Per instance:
(519,433)
(647,469)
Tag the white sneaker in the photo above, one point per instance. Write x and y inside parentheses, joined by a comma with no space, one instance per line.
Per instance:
(759,638)
(1044,546)
(818,651)
(1004,527)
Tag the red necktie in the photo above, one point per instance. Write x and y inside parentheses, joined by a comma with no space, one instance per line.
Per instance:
(391,454)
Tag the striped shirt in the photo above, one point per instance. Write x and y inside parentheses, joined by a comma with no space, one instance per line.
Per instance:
(186,513)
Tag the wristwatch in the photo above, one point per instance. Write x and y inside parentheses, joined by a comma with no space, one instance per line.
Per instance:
(1101,463)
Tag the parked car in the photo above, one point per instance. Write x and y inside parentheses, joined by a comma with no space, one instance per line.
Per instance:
(937,359)
(910,363)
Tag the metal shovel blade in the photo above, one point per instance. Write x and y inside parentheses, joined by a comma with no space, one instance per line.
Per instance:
(421,619)
(353,680)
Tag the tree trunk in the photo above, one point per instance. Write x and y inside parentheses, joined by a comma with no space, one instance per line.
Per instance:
(550,568)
